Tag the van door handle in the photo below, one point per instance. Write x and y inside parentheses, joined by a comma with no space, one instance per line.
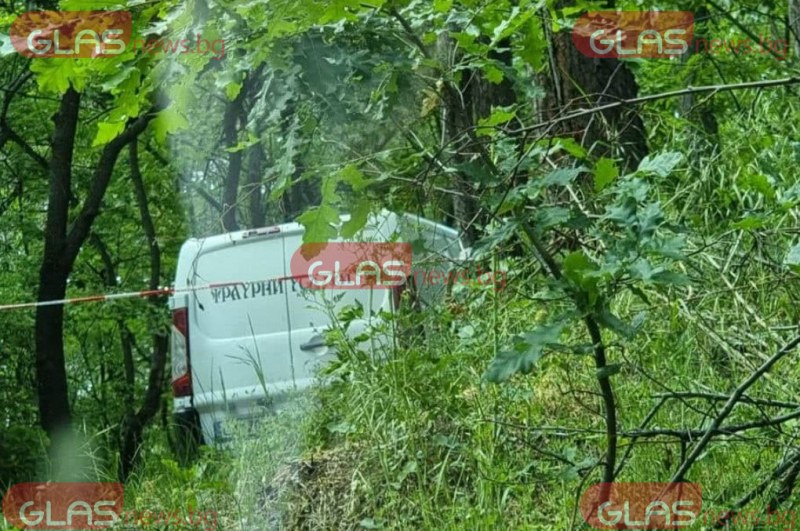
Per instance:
(316,341)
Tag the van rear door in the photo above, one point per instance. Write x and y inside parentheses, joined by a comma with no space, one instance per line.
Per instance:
(240,350)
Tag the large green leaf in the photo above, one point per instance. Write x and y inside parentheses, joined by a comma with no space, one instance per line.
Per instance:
(358,218)
(319,223)
(605,172)
(525,352)
(793,258)
(662,164)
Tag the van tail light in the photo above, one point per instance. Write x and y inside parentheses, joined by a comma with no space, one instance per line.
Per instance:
(181,368)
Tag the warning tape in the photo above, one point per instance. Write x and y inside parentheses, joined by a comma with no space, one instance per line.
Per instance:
(130,295)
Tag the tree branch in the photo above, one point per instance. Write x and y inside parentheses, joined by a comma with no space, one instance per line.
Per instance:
(604,380)
(693,434)
(102,177)
(728,408)
(663,95)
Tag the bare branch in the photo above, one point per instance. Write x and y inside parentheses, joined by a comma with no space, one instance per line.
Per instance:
(728,408)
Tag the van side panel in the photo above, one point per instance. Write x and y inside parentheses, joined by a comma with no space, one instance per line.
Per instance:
(310,315)
(238,328)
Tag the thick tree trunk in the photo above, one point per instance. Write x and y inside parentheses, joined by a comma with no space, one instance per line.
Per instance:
(230,127)
(51,376)
(61,247)
(575,81)
(464,105)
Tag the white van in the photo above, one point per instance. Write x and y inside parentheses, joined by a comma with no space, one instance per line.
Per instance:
(245,331)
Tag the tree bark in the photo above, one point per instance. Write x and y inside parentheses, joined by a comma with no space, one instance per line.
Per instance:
(62,243)
(794,23)
(134,423)
(464,105)
(255,170)
(230,125)
(51,375)
(704,133)
(576,81)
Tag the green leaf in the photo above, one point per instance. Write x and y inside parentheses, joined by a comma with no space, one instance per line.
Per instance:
(55,74)
(329,186)
(353,176)
(577,268)
(525,352)
(319,223)
(793,258)
(168,121)
(500,115)
(605,172)
(759,183)
(534,45)
(572,147)
(358,219)
(232,90)
(609,370)
(442,6)
(492,73)
(749,223)
(562,176)
(661,165)
(671,278)
(607,319)
(106,132)
(547,217)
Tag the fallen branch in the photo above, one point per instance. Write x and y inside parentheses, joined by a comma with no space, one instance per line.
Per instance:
(692,434)
(728,408)
(663,95)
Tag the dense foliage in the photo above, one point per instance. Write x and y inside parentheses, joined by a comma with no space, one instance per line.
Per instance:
(643,212)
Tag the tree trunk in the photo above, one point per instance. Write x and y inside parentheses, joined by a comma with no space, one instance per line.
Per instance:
(464,105)
(230,126)
(51,375)
(255,170)
(575,81)
(794,23)
(134,422)
(704,133)
(61,248)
